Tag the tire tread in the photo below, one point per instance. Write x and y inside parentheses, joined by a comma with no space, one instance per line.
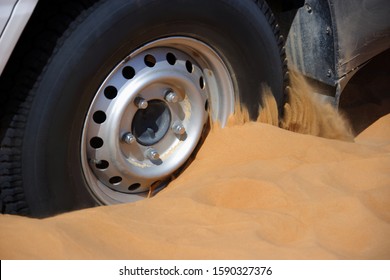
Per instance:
(18,82)
(263,6)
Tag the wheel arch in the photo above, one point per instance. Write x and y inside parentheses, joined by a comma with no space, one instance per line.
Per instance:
(328,41)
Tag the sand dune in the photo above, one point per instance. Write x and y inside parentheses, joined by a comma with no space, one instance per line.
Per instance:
(255,191)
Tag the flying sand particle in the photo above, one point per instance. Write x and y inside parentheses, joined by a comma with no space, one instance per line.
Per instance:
(304,112)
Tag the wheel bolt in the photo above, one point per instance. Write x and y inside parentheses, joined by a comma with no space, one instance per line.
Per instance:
(128,138)
(141,103)
(178,128)
(171,96)
(152,154)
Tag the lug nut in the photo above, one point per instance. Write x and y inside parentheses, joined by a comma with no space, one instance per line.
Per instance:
(141,103)
(128,138)
(171,96)
(152,154)
(178,128)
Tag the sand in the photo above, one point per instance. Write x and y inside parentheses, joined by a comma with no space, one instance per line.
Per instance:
(254,191)
(299,187)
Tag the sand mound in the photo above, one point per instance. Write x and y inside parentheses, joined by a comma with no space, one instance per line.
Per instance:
(254,191)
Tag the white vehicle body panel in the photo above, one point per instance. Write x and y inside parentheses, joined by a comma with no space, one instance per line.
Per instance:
(14,15)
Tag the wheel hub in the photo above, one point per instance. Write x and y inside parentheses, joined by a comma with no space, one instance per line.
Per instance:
(151,124)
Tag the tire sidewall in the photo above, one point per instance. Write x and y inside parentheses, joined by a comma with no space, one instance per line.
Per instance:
(94,44)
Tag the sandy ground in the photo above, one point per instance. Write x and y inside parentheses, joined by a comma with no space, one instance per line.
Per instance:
(254,191)
(281,195)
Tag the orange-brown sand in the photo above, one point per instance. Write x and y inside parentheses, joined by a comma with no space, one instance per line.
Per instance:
(304,112)
(255,191)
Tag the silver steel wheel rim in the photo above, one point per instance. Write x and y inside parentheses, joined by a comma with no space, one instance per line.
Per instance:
(148,116)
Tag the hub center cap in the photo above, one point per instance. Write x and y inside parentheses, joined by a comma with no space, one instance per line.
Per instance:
(151,124)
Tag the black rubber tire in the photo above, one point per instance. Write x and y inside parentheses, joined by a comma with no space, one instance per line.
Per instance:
(40,147)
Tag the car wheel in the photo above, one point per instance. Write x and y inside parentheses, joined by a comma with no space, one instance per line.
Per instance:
(126,95)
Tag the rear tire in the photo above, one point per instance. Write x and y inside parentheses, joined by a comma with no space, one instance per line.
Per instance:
(41,159)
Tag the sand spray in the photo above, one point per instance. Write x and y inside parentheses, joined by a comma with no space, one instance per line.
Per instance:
(304,112)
